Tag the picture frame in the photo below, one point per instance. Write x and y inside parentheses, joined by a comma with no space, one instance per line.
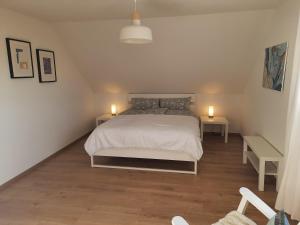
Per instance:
(19,58)
(46,65)
(275,67)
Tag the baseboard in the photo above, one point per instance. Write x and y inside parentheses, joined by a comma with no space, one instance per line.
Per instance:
(60,151)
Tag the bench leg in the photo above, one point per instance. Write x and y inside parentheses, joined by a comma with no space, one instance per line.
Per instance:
(245,149)
(277,176)
(261,176)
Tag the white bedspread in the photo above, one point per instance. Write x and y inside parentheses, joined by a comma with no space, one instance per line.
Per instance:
(166,132)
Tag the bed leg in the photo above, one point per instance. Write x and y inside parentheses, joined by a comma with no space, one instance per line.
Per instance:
(195,167)
(92,161)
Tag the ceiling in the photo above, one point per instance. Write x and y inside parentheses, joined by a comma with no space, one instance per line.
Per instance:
(210,54)
(82,10)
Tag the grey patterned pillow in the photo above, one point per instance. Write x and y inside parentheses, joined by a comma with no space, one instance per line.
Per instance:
(145,103)
(133,111)
(175,103)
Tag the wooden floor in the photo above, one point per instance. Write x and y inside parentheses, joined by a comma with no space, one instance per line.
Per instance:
(65,190)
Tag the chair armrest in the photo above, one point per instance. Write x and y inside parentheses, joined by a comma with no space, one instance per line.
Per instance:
(249,196)
(178,220)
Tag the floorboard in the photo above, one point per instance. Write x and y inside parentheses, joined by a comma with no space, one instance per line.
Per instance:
(66,190)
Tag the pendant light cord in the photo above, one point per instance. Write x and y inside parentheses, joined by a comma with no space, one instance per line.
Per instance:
(134,5)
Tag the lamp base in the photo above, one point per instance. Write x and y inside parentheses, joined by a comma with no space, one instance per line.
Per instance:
(210,117)
(113,114)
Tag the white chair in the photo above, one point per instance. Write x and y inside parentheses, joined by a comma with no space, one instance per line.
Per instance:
(247,197)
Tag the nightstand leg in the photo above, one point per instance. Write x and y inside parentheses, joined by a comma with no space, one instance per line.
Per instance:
(226,133)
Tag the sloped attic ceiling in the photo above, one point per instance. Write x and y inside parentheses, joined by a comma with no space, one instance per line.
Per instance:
(205,54)
(79,10)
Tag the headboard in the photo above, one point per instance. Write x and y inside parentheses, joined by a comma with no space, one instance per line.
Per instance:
(192,95)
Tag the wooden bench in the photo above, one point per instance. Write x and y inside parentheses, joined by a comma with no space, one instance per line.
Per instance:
(263,157)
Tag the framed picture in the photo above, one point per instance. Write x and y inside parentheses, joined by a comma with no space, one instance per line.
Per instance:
(46,65)
(275,66)
(19,58)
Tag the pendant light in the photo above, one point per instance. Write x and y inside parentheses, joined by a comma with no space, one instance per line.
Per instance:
(136,33)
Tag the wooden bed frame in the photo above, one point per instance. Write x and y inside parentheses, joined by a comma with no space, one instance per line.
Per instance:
(156,154)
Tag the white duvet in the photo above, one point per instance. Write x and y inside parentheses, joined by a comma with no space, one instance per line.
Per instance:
(165,132)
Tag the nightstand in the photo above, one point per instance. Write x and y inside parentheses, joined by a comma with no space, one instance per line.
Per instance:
(215,121)
(103,118)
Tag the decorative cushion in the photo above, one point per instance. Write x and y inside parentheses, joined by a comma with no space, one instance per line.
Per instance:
(279,219)
(235,218)
(145,103)
(175,103)
(133,111)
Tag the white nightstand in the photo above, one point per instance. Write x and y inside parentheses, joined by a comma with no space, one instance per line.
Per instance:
(103,118)
(216,121)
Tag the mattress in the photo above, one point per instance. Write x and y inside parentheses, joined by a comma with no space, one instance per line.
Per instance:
(147,131)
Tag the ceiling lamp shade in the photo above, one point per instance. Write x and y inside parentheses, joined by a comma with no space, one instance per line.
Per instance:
(136,33)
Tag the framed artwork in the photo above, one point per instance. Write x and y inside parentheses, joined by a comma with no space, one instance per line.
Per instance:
(275,66)
(46,65)
(19,58)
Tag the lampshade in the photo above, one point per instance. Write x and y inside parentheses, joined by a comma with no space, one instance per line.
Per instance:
(211,111)
(136,33)
(113,110)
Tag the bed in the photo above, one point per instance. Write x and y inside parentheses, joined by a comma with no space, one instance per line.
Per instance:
(161,133)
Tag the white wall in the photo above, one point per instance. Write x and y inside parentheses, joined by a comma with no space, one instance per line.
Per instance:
(265,111)
(38,119)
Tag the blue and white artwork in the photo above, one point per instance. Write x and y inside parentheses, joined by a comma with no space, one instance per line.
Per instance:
(274,68)
(47,65)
